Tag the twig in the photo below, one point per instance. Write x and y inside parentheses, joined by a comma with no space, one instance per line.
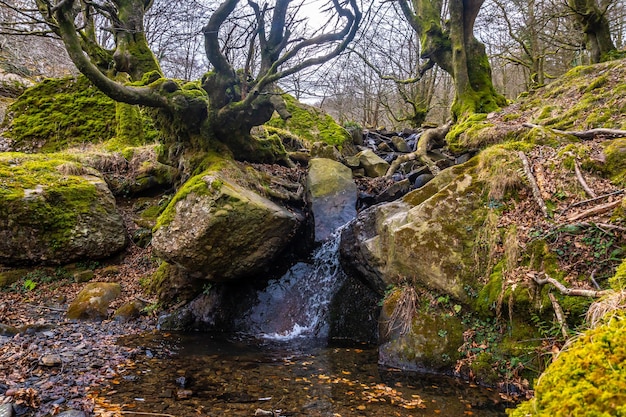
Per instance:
(581,180)
(591,200)
(140,413)
(533,184)
(592,278)
(576,292)
(62,310)
(584,134)
(560,316)
(602,208)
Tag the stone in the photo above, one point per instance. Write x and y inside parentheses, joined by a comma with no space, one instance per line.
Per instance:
(400,144)
(128,311)
(55,211)
(72,413)
(83,276)
(374,165)
(217,230)
(50,360)
(6,410)
(324,150)
(332,195)
(93,301)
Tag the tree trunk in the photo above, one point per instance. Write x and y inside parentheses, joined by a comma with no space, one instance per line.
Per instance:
(455,49)
(595,27)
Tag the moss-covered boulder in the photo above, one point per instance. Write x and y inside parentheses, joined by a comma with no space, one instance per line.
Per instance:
(332,194)
(219,230)
(373,164)
(54,210)
(586,379)
(311,123)
(93,301)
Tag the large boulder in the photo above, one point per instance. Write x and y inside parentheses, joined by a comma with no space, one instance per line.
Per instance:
(374,165)
(54,210)
(218,230)
(332,194)
(427,236)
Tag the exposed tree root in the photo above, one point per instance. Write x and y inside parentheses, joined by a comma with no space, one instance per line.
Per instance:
(584,134)
(591,200)
(560,316)
(533,184)
(581,180)
(602,208)
(576,292)
(423,146)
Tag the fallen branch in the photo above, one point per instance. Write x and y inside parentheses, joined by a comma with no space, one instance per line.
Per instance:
(423,146)
(533,184)
(62,310)
(584,134)
(560,316)
(581,180)
(140,413)
(591,200)
(594,211)
(575,292)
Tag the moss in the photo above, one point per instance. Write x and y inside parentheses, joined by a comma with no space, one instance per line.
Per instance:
(615,164)
(58,113)
(311,124)
(10,277)
(587,379)
(618,281)
(464,134)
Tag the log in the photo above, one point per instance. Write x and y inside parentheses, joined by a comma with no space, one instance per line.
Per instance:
(583,134)
(533,184)
(594,211)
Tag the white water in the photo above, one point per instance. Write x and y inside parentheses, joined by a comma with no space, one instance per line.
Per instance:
(297,304)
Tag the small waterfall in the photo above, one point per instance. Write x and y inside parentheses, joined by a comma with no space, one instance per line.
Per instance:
(297,304)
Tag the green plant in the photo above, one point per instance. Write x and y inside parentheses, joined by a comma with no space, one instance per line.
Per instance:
(29,285)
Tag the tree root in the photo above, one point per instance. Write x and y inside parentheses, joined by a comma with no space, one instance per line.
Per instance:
(581,180)
(576,292)
(602,208)
(584,134)
(533,184)
(423,146)
(560,316)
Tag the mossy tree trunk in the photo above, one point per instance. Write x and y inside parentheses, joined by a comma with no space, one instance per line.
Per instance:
(595,26)
(452,46)
(230,102)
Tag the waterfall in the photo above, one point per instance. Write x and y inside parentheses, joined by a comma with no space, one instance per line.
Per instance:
(297,304)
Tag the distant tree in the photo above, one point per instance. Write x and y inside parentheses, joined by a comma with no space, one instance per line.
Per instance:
(592,18)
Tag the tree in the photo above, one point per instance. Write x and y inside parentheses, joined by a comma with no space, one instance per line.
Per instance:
(450,43)
(595,25)
(220,110)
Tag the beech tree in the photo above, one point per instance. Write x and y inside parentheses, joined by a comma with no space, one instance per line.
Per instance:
(593,19)
(447,40)
(219,110)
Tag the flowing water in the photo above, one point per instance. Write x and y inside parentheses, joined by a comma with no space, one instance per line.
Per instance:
(279,364)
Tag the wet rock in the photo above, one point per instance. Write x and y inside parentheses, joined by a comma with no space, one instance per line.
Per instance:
(332,194)
(217,230)
(374,165)
(6,410)
(422,180)
(394,191)
(400,144)
(72,413)
(93,301)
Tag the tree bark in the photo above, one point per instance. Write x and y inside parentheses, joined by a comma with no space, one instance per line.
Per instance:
(453,47)
(595,27)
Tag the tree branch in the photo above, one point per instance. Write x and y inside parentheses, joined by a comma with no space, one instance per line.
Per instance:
(585,134)
(576,292)
(533,184)
(594,211)
(581,180)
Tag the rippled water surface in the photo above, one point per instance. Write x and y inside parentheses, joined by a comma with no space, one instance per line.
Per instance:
(199,374)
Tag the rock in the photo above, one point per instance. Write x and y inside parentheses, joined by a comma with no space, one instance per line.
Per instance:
(428,235)
(51,360)
(220,231)
(400,144)
(6,330)
(72,413)
(83,276)
(10,277)
(93,301)
(184,394)
(142,237)
(422,180)
(394,191)
(55,211)
(384,147)
(6,410)
(332,194)
(374,165)
(324,150)
(128,311)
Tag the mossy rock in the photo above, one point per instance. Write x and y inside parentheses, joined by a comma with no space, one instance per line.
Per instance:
(311,123)
(128,311)
(59,113)
(615,163)
(10,277)
(93,301)
(54,210)
(587,379)
(219,230)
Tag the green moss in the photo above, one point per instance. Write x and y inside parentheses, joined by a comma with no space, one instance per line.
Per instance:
(463,135)
(615,164)
(9,277)
(311,124)
(587,379)
(58,113)
(618,281)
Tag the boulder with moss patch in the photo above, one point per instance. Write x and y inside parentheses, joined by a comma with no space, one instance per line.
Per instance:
(54,210)
(219,230)
(93,301)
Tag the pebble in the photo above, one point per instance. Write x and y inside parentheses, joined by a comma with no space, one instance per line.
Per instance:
(51,360)
(6,410)
(72,413)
